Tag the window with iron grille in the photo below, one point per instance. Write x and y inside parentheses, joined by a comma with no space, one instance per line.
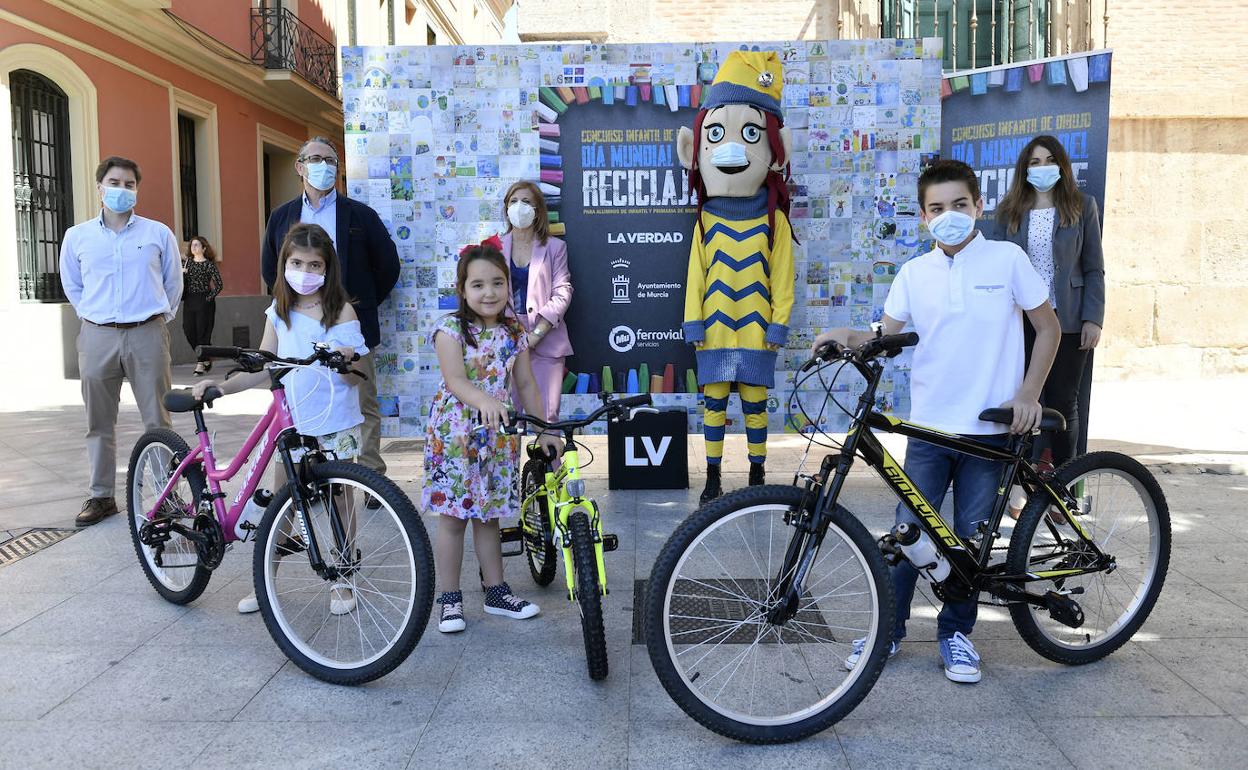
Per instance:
(187,178)
(1003,30)
(42,187)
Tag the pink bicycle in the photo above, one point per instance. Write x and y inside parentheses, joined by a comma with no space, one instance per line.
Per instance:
(345,585)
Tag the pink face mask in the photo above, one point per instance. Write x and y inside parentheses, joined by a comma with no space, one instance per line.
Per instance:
(304,283)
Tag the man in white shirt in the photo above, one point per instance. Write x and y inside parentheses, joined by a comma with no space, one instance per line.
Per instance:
(123,275)
(966,300)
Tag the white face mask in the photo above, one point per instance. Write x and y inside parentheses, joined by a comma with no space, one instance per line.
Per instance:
(730,155)
(951,227)
(1043,178)
(521,214)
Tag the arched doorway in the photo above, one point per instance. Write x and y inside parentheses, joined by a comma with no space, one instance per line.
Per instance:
(42,182)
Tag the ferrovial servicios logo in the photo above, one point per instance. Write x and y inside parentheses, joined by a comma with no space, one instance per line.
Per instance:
(624,338)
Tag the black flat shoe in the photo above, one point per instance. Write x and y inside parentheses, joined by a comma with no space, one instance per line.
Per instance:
(207,366)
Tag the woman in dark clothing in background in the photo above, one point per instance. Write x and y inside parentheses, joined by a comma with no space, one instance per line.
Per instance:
(202,282)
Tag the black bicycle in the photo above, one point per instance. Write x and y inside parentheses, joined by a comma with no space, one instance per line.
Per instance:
(755,601)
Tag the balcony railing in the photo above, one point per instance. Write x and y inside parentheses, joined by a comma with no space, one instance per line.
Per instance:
(280,41)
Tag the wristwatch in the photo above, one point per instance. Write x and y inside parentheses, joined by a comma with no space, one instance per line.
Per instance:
(537,332)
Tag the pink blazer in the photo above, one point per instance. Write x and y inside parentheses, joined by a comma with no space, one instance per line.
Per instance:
(549,294)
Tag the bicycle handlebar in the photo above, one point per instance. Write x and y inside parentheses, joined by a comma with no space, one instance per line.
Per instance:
(514,418)
(888,346)
(254,360)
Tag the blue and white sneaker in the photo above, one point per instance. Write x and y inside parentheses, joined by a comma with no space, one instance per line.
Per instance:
(860,646)
(961,660)
(500,601)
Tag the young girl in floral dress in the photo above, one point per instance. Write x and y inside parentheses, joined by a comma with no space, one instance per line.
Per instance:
(470,465)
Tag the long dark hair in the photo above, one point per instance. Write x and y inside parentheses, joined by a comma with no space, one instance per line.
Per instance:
(465,314)
(209,254)
(313,238)
(776,182)
(1022,196)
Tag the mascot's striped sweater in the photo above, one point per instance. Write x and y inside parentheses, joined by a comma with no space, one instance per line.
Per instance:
(739,292)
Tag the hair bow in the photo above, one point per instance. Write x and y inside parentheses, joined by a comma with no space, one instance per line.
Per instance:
(493,242)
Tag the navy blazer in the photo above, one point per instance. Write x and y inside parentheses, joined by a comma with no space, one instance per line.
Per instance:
(1078,264)
(368,257)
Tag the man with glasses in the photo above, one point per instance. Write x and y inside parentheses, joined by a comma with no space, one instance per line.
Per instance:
(369,260)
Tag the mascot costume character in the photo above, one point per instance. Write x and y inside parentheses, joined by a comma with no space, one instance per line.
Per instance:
(739,291)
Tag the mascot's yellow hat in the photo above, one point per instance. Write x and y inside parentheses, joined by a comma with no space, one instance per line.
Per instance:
(748,77)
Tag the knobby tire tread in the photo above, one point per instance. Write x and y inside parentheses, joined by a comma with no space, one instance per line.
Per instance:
(544,576)
(588,595)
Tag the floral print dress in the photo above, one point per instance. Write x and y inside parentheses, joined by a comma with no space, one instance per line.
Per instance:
(470,473)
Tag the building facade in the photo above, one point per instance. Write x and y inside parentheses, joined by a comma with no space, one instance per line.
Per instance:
(211,97)
(1177,264)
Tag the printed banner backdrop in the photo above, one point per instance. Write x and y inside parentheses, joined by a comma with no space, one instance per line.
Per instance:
(989,115)
(435,135)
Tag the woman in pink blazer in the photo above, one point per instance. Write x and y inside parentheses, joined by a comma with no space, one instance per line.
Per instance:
(541,286)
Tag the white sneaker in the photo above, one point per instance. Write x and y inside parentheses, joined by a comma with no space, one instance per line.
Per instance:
(341,599)
(860,647)
(248,604)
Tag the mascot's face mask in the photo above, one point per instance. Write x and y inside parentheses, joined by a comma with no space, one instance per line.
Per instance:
(734,156)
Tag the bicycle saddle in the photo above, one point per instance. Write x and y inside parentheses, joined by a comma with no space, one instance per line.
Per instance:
(182,400)
(1050,419)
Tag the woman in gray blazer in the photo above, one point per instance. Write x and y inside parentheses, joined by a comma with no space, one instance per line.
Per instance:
(1060,229)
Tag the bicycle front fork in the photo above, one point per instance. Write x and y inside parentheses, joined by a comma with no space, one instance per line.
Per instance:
(810,523)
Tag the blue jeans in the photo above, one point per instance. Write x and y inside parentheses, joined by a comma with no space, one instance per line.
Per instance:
(932,469)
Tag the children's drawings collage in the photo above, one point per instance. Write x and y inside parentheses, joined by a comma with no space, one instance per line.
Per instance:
(435,135)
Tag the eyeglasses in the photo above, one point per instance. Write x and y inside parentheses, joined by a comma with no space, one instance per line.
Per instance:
(320,159)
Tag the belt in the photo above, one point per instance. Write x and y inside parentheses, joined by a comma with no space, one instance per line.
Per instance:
(126,324)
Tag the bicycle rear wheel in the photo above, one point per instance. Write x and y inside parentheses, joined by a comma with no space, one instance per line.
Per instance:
(707,629)
(588,595)
(173,567)
(539,546)
(1123,510)
(359,624)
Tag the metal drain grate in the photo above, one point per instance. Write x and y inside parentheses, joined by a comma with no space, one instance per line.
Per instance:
(709,606)
(18,544)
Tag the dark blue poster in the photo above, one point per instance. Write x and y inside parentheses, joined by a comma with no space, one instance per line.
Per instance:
(989,115)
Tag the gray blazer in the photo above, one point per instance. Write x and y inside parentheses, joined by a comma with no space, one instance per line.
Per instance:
(1078,265)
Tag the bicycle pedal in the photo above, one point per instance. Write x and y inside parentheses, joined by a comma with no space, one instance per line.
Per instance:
(511,534)
(1064,609)
(610,543)
(516,552)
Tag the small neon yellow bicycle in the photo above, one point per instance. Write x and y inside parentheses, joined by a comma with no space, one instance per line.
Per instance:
(556,511)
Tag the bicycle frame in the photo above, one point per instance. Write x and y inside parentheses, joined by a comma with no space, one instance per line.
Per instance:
(267,432)
(560,505)
(969,563)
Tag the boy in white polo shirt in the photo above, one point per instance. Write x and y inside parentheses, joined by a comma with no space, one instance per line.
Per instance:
(965,299)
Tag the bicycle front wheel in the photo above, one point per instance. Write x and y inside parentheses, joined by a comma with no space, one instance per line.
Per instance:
(1123,511)
(708,632)
(588,595)
(362,618)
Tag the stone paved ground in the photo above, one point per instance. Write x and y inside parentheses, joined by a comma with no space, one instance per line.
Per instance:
(97,670)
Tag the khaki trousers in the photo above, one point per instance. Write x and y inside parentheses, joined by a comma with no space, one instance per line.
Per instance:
(106,356)
(370,451)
